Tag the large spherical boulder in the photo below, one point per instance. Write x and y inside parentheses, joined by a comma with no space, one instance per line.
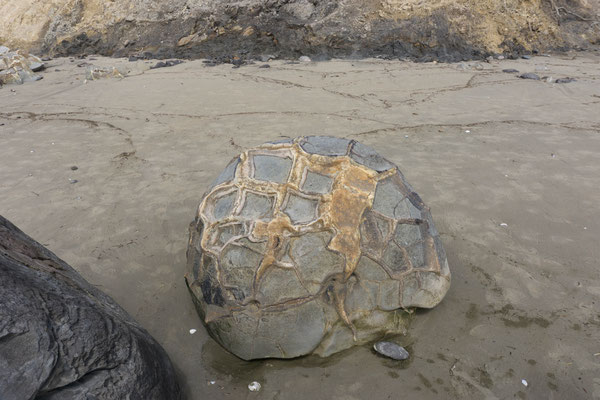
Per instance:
(62,338)
(311,245)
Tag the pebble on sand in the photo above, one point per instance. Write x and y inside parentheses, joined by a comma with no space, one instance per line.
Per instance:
(254,386)
(530,75)
(565,80)
(391,350)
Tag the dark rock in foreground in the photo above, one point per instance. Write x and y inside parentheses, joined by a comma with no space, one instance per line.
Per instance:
(61,338)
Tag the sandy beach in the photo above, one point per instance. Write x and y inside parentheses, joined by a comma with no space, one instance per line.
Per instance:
(107,174)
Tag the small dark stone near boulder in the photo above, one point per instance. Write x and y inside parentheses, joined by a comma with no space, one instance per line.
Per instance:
(37,66)
(265,66)
(238,62)
(526,57)
(511,71)
(163,64)
(530,75)
(62,338)
(391,350)
(133,58)
(566,80)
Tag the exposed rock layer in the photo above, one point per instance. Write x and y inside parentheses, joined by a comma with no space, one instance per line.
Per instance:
(425,29)
(61,338)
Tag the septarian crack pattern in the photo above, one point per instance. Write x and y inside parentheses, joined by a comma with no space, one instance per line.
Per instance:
(311,245)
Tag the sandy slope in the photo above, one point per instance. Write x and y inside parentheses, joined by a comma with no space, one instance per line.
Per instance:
(482,147)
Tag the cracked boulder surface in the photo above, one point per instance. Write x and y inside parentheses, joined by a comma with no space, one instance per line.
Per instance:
(311,245)
(61,338)
(422,29)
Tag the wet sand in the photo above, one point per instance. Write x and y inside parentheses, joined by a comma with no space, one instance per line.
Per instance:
(509,167)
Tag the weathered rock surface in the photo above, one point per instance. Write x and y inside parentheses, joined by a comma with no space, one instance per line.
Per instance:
(311,245)
(426,29)
(61,338)
(18,67)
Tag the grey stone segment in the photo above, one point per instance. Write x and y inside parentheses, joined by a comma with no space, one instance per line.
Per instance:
(360,298)
(240,278)
(395,258)
(366,156)
(407,234)
(279,285)
(226,232)
(307,331)
(387,197)
(257,206)
(271,168)
(403,209)
(325,145)
(232,332)
(235,256)
(370,270)
(317,183)
(301,210)
(414,211)
(223,205)
(281,141)
(389,295)
(417,255)
(315,262)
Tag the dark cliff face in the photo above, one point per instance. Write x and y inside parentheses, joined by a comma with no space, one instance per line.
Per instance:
(446,30)
(60,337)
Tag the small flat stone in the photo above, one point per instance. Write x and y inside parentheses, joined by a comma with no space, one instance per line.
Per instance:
(565,80)
(163,64)
(526,57)
(391,350)
(530,75)
(36,66)
(510,71)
